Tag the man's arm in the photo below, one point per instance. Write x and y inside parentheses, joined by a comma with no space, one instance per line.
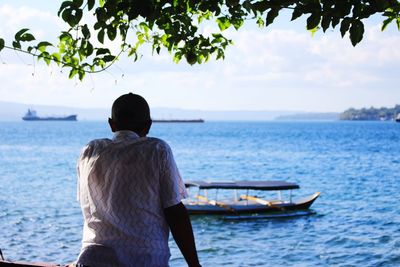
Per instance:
(181,228)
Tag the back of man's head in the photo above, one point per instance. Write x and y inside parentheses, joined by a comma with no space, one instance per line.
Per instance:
(131,112)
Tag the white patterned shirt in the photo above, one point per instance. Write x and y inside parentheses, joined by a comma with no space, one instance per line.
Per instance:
(124,185)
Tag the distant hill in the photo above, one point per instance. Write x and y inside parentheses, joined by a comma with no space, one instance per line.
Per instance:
(15,111)
(371,114)
(310,116)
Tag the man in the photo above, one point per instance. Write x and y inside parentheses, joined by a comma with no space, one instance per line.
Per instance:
(130,192)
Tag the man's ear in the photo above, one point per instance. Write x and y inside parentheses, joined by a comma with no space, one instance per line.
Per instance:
(148,126)
(112,125)
(146,129)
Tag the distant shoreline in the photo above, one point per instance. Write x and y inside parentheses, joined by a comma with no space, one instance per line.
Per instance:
(372,114)
(310,116)
(178,121)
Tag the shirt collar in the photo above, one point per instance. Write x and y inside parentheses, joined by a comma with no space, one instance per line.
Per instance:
(125,135)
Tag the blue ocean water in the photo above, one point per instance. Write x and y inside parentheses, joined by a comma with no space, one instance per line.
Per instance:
(355,166)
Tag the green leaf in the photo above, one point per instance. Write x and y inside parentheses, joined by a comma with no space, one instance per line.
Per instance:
(191,57)
(262,6)
(326,21)
(247,5)
(2,43)
(86,31)
(398,23)
(102,51)
(237,23)
(100,36)
(72,73)
(101,63)
(313,31)
(123,31)
(56,58)
(101,3)
(81,74)
(89,49)
(72,16)
(177,57)
(356,32)
(65,36)
(344,26)
(42,46)
(82,51)
(78,3)
(108,58)
(78,16)
(223,23)
(220,54)
(140,37)
(386,22)
(101,15)
(357,9)
(131,52)
(272,14)
(20,33)
(66,60)
(260,22)
(27,37)
(47,58)
(297,12)
(335,21)
(98,25)
(66,15)
(91,4)
(313,21)
(63,6)
(16,44)
(111,33)
(144,27)
(344,7)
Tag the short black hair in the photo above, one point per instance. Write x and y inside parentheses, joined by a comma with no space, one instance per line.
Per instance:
(130,112)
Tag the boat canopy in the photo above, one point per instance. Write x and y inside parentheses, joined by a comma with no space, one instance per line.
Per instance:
(254,185)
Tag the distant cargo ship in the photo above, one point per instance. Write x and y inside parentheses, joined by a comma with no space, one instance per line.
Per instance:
(177,120)
(31,115)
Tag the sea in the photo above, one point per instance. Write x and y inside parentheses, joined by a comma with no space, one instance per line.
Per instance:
(355,166)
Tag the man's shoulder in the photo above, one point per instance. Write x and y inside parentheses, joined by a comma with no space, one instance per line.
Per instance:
(158,143)
(155,140)
(95,144)
(99,142)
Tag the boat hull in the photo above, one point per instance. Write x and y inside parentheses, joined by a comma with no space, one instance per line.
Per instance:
(67,118)
(180,121)
(239,209)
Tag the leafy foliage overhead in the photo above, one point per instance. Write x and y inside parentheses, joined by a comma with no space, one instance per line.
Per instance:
(176,25)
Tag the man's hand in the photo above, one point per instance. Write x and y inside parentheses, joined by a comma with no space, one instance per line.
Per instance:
(181,228)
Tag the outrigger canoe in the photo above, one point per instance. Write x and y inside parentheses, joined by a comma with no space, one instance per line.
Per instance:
(245,204)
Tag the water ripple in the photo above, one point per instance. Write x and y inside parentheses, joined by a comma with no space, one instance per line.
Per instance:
(354,165)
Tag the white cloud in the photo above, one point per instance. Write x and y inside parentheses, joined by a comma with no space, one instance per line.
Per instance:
(14,18)
(265,69)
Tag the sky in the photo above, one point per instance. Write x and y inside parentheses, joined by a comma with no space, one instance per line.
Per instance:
(282,67)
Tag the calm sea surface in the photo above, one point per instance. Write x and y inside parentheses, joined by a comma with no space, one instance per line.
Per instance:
(356,166)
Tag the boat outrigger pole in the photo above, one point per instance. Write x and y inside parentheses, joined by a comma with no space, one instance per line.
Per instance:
(247,205)
(219,204)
